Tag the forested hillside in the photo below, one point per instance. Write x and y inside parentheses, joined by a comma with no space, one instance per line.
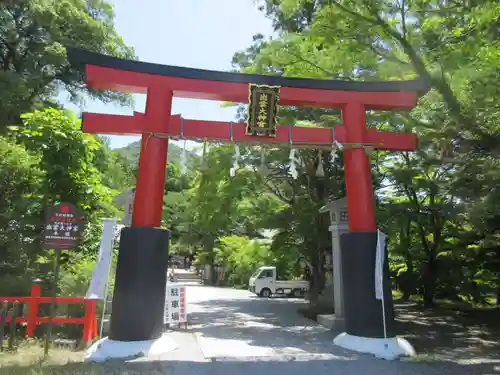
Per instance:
(132,150)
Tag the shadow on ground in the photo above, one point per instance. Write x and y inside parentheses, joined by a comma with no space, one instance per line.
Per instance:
(361,366)
(273,323)
(451,334)
(439,334)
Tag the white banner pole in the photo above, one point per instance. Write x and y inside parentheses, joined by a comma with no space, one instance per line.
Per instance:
(383,317)
(98,288)
(106,290)
(104,306)
(379,274)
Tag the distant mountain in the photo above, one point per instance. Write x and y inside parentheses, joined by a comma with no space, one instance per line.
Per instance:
(131,153)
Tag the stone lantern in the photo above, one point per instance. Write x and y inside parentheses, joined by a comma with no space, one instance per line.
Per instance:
(338,225)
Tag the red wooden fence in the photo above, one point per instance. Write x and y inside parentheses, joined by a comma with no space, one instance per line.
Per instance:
(89,321)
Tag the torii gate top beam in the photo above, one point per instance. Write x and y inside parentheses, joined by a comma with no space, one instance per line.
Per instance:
(110,73)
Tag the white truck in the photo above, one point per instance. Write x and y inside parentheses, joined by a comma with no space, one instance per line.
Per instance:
(263,282)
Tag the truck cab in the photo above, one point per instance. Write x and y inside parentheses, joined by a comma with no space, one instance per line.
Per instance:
(264,283)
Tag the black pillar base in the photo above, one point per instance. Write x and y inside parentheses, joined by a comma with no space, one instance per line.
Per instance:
(141,278)
(363,312)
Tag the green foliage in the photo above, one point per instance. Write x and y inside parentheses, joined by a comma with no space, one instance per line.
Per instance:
(437,204)
(220,206)
(33,62)
(241,257)
(115,170)
(75,275)
(20,182)
(46,161)
(67,156)
(45,158)
(215,200)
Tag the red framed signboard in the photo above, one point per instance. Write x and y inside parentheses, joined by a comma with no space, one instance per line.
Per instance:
(63,227)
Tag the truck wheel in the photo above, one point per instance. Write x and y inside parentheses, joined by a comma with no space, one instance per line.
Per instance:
(265,293)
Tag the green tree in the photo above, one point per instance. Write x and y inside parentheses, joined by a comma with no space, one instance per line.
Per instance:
(46,161)
(117,172)
(33,62)
(67,157)
(20,186)
(241,257)
(214,200)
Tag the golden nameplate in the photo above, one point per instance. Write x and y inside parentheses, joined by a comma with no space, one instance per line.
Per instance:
(263,102)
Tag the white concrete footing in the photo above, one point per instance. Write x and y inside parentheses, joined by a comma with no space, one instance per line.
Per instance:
(106,349)
(390,348)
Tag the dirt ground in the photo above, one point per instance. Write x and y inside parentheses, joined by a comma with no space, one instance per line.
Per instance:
(445,333)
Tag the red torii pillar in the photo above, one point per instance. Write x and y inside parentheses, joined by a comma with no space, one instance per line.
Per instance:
(361,208)
(140,280)
(150,185)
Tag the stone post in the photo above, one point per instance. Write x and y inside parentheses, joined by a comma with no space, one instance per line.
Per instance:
(338,225)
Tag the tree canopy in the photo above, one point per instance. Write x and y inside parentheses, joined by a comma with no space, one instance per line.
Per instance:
(33,61)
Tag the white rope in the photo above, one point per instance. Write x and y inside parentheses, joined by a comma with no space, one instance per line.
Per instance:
(236,157)
(293,164)
(336,146)
(183,160)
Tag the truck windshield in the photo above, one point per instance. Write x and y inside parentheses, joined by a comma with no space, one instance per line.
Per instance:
(256,273)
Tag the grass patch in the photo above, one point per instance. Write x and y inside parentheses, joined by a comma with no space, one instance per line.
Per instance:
(464,303)
(29,359)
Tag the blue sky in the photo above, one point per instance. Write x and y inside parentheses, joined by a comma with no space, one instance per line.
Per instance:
(192,33)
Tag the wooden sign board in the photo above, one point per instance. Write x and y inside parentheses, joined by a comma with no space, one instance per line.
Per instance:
(63,227)
(263,104)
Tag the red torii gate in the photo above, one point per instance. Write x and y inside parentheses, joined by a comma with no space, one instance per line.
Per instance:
(161,83)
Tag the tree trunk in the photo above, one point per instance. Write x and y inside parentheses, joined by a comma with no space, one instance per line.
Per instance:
(407,283)
(406,295)
(318,277)
(430,274)
(317,285)
(498,276)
